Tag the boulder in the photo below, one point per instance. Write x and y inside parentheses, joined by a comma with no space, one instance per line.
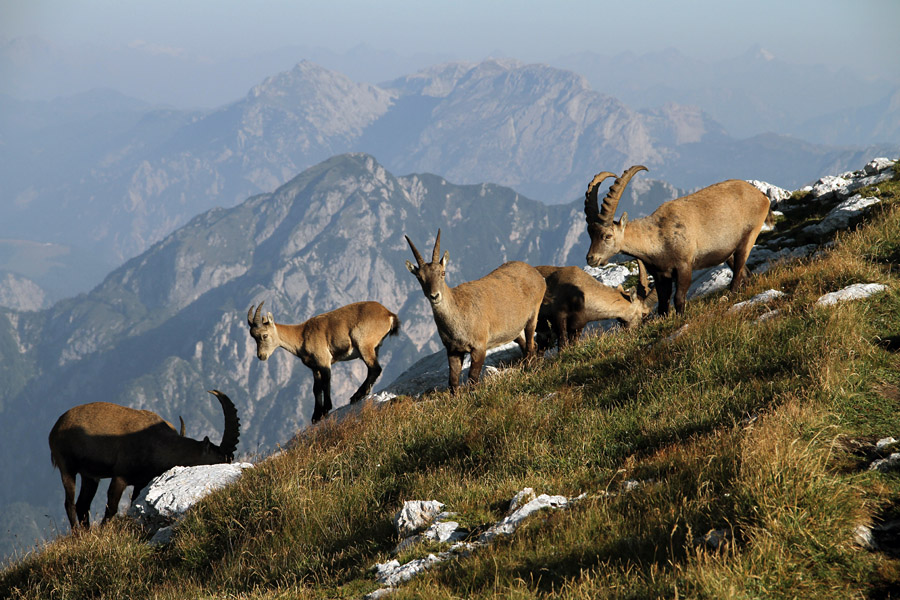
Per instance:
(170,495)
(775,194)
(857,291)
(416,515)
(841,215)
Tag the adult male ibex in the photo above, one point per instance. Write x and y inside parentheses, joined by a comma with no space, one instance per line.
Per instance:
(477,315)
(574,299)
(353,331)
(100,440)
(717,224)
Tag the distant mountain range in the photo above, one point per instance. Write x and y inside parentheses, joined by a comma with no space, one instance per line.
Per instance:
(107,176)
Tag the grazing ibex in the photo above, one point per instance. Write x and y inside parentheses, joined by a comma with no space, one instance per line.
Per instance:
(353,331)
(714,225)
(100,440)
(477,315)
(574,299)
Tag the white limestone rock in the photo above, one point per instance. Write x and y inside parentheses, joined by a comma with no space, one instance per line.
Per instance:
(710,281)
(885,465)
(511,522)
(775,194)
(611,275)
(416,515)
(170,495)
(841,215)
(857,291)
(877,165)
(762,298)
(830,187)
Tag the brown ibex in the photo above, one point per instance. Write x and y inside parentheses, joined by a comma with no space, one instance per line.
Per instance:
(477,315)
(100,440)
(574,299)
(353,331)
(717,224)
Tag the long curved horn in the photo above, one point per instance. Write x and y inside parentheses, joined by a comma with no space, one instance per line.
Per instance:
(232,425)
(591,209)
(181,431)
(615,193)
(437,247)
(643,286)
(415,252)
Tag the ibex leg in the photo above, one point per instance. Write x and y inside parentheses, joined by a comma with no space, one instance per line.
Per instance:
(370,357)
(68,481)
(478,355)
(322,393)
(116,487)
(85,497)
(664,292)
(682,284)
(454,361)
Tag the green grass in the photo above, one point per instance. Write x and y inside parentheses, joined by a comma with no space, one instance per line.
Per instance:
(735,425)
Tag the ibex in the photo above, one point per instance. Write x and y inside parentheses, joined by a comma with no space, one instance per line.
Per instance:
(717,224)
(477,315)
(353,331)
(574,299)
(100,440)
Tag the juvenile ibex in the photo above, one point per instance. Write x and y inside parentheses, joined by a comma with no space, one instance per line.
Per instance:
(353,331)
(714,225)
(477,315)
(100,440)
(574,299)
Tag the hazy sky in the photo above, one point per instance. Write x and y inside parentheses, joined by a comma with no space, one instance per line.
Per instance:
(861,33)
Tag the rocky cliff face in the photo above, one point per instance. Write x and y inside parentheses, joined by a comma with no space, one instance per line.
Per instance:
(121,176)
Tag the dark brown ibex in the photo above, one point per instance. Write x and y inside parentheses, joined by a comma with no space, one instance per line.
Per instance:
(574,299)
(478,315)
(100,440)
(353,331)
(717,224)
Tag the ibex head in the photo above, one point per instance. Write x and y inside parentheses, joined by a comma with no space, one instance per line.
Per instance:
(642,293)
(606,235)
(263,330)
(430,275)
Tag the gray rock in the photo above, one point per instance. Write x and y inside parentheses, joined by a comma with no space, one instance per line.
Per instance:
(857,291)
(416,515)
(762,298)
(841,215)
(512,521)
(877,165)
(885,465)
(611,275)
(830,187)
(775,194)
(710,281)
(170,495)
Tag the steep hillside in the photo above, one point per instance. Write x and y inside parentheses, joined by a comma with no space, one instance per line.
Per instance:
(171,323)
(734,457)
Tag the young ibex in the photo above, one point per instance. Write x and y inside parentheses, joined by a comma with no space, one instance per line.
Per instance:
(100,440)
(574,299)
(477,315)
(353,331)
(714,225)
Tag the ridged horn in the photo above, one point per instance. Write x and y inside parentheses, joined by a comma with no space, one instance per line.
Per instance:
(181,431)
(437,247)
(232,425)
(253,318)
(591,208)
(608,210)
(415,252)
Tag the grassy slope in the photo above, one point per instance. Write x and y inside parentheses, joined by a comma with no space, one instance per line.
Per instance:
(739,425)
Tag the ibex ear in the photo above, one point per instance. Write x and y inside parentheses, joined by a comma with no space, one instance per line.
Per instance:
(445,258)
(623,219)
(412,268)
(269,319)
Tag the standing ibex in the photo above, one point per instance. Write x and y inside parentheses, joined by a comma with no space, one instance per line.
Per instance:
(574,299)
(477,315)
(714,225)
(353,331)
(100,440)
